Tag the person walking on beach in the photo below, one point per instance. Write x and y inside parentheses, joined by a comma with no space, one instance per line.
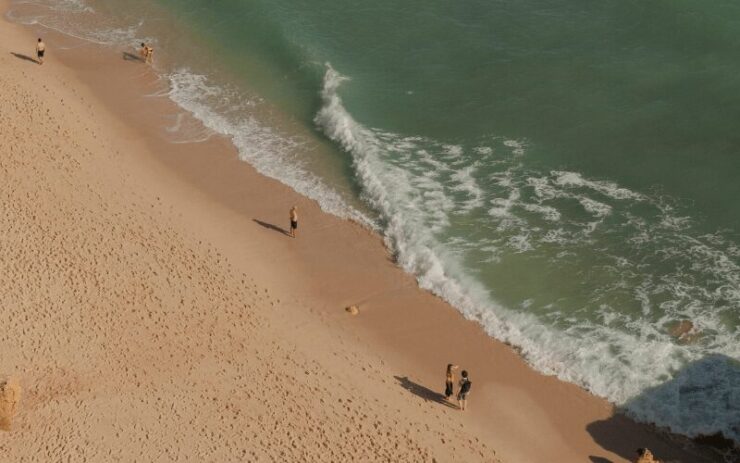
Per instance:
(450,380)
(146,53)
(40,49)
(293,220)
(462,396)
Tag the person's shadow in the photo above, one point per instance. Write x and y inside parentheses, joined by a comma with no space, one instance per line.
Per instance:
(132,57)
(423,392)
(272,227)
(24,57)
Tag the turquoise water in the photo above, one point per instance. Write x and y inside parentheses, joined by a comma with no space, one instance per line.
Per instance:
(565,173)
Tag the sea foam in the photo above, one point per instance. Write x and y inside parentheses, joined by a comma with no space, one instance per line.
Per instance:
(422,189)
(415,197)
(273,154)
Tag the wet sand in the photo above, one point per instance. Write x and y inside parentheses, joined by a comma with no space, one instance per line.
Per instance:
(157,311)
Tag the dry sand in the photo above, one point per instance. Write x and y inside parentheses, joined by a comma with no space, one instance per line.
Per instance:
(10,396)
(154,310)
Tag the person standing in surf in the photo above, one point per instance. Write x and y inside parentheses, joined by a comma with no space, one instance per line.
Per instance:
(293,220)
(146,53)
(450,380)
(462,396)
(40,49)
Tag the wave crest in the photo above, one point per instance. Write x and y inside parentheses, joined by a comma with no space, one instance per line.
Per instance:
(423,188)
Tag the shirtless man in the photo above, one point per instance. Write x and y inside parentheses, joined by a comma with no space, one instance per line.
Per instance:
(293,220)
(40,49)
(462,396)
(146,53)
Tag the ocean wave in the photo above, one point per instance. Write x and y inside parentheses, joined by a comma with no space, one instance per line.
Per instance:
(418,185)
(271,153)
(426,191)
(75,18)
(76,6)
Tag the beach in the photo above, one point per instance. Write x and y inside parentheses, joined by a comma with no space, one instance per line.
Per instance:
(156,310)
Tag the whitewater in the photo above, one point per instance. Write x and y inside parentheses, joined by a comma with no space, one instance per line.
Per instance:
(417,196)
(588,279)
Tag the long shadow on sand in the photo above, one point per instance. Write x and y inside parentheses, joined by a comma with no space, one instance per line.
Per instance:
(272,227)
(703,392)
(24,57)
(599,459)
(132,57)
(423,392)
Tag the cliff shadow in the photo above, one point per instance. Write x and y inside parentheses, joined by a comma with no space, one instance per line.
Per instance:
(700,399)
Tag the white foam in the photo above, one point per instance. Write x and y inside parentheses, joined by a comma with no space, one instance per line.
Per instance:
(502,206)
(72,5)
(467,183)
(543,188)
(574,179)
(518,147)
(75,6)
(548,212)
(453,150)
(521,243)
(594,207)
(483,150)
(77,19)
(410,195)
(416,185)
(271,153)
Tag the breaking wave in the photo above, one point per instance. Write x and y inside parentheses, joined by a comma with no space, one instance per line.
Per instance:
(649,291)
(431,198)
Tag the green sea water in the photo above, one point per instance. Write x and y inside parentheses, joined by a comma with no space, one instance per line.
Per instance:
(643,93)
(564,172)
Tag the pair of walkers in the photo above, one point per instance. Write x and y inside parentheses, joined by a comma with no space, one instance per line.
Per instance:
(465,383)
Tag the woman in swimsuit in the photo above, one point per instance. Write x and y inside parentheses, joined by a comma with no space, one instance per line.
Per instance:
(450,380)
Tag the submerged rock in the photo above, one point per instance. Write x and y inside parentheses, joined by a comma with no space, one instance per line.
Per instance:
(685,331)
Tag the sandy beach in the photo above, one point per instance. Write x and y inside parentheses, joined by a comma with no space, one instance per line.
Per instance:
(156,310)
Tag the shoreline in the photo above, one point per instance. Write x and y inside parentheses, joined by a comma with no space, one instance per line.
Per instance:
(335,263)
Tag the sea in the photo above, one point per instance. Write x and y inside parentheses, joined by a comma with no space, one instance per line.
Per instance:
(564,172)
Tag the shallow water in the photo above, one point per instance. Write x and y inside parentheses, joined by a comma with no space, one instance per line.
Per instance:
(563,172)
